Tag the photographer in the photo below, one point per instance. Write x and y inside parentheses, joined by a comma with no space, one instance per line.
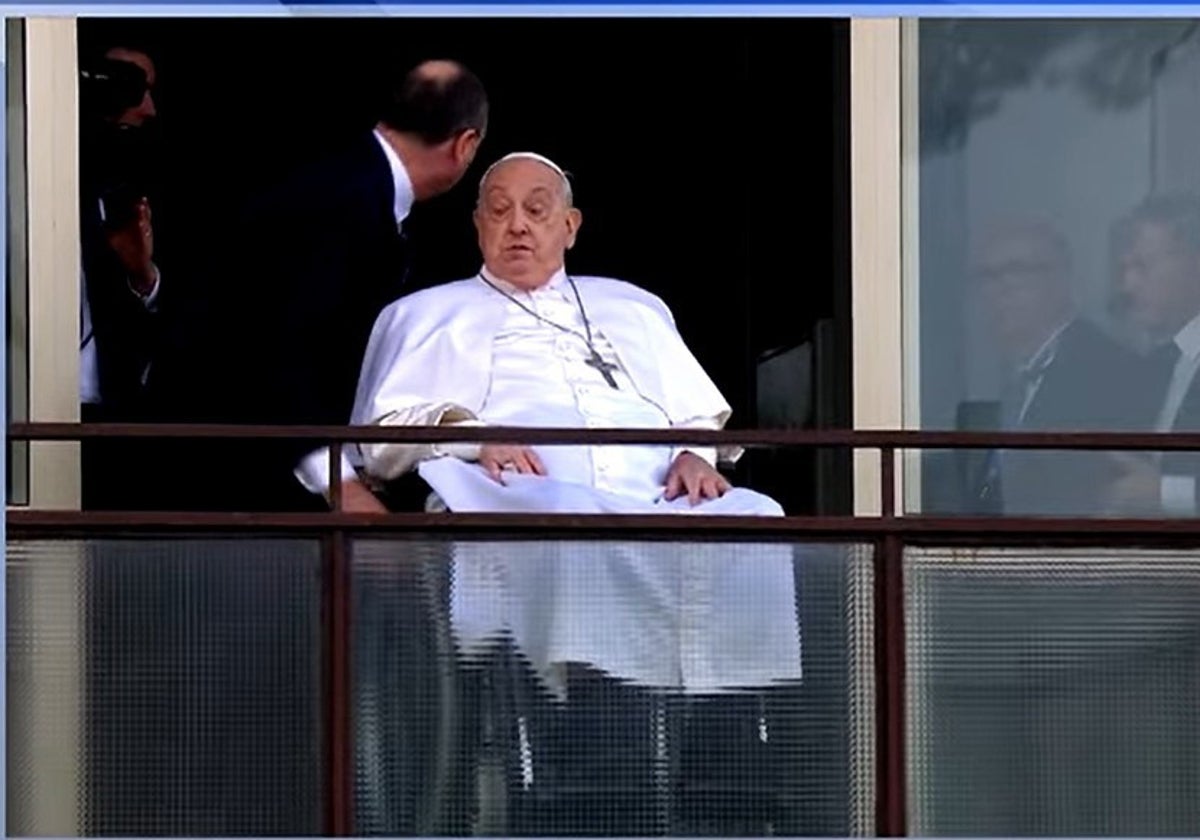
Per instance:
(120,282)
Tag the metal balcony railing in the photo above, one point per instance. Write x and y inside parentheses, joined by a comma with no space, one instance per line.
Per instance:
(890,532)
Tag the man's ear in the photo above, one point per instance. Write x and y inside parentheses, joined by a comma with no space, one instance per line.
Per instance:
(465,144)
(574,220)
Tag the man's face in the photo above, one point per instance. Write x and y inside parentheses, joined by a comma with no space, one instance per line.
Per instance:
(137,115)
(1023,287)
(525,226)
(1159,279)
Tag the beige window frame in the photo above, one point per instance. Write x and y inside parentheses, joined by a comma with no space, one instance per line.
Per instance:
(51,249)
(876,205)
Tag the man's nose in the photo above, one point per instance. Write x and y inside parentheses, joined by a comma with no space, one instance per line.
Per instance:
(517,223)
(147,107)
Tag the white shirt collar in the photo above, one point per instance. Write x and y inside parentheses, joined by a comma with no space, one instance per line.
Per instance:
(1188,338)
(1045,354)
(557,279)
(401,181)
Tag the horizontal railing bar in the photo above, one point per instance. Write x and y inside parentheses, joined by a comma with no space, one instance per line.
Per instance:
(901,439)
(916,529)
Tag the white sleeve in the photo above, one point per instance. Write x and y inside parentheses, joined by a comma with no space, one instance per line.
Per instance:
(313,471)
(387,460)
(151,299)
(708,453)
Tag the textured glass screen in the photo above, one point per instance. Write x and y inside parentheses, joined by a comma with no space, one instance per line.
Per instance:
(612,688)
(164,687)
(1053,692)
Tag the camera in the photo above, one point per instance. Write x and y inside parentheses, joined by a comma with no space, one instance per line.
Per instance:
(119,203)
(109,86)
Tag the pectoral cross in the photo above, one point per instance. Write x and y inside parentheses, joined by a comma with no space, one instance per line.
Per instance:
(605,368)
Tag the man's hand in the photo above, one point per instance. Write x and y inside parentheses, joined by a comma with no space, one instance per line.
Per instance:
(1137,490)
(692,474)
(357,498)
(133,243)
(497,458)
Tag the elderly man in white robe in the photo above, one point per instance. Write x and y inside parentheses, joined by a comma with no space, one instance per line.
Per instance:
(608,630)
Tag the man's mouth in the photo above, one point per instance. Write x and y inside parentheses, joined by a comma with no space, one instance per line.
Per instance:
(518,249)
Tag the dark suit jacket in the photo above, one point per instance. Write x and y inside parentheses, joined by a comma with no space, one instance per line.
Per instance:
(1092,384)
(1187,420)
(127,339)
(280,334)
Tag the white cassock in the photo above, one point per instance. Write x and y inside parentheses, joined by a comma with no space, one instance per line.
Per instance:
(702,617)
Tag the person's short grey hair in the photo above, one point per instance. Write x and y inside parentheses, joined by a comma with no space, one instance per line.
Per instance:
(567,193)
(1178,212)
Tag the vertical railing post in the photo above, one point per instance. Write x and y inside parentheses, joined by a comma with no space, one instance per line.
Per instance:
(335,476)
(887,482)
(890,783)
(339,735)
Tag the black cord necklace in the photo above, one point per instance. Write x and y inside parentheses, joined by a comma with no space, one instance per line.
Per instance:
(595,359)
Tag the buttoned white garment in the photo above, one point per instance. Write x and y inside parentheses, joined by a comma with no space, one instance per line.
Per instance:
(702,618)
(540,377)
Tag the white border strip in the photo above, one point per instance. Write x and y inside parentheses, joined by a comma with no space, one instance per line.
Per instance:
(864,11)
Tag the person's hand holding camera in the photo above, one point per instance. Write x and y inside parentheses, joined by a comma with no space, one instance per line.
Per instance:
(133,243)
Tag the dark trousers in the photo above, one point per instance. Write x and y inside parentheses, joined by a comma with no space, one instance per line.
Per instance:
(617,759)
(479,747)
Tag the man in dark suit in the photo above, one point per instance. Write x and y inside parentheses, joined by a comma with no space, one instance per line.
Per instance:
(1064,374)
(1159,284)
(120,294)
(274,332)
(315,261)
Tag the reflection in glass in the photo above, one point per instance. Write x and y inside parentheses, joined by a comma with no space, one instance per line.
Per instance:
(1046,150)
(164,687)
(1053,693)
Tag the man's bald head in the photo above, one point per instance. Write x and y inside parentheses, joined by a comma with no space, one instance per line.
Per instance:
(438,70)
(1037,240)
(436,101)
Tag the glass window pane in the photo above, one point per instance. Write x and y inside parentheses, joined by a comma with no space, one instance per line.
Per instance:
(549,688)
(1053,692)
(1058,248)
(165,687)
